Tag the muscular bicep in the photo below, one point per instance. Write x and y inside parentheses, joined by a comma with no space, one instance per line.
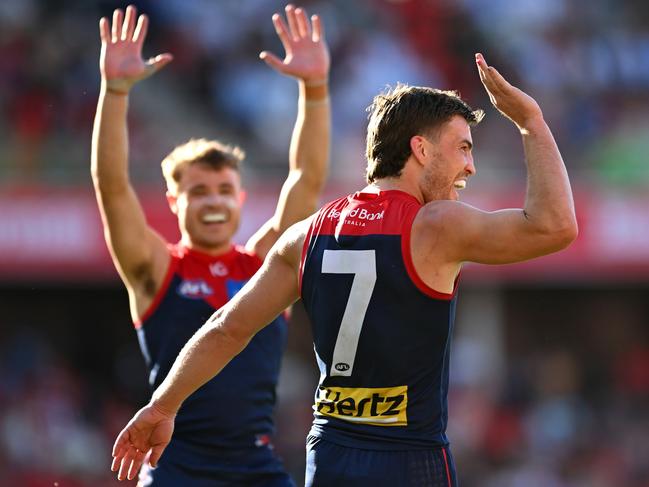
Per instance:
(468,234)
(138,252)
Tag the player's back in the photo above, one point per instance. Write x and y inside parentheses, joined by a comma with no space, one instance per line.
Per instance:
(382,337)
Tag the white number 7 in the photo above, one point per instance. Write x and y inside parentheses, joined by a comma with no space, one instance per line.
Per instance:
(361,263)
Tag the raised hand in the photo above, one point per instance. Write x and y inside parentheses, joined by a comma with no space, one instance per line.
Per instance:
(513,103)
(121,62)
(150,430)
(307,55)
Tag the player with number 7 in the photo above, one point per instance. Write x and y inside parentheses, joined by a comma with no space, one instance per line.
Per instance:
(378,273)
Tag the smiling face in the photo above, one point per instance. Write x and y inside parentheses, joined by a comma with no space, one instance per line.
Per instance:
(207,203)
(448,161)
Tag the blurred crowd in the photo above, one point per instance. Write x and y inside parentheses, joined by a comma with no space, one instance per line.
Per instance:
(587,62)
(556,419)
(548,406)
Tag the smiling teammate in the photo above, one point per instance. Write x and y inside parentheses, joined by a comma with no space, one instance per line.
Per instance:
(223,435)
(378,272)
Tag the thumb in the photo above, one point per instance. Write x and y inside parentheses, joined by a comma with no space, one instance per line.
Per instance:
(272,61)
(155,64)
(156,453)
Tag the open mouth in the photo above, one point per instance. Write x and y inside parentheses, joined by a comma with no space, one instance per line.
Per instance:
(459,184)
(214,217)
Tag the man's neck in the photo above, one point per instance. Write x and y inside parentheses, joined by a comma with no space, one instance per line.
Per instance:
(400,183)
(214,250)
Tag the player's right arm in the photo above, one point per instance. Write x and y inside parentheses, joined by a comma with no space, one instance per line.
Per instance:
(545,224)
(138,252)
(272,289)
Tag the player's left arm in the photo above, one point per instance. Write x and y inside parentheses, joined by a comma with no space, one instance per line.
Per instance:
(270,291)
(307,60)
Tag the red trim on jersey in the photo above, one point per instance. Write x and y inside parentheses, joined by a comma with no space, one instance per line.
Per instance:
(228,256)
(173,265)
(448,473)
(410,266)
(305,248)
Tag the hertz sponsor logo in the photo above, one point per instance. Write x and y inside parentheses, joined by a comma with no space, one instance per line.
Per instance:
(376,406)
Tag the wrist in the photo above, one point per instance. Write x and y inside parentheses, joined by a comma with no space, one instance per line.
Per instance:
(532,124)
(118,89)
(162,408)
(313,82)
(315,90)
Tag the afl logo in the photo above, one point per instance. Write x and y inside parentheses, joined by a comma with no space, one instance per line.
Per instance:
(341,366)
(194,289)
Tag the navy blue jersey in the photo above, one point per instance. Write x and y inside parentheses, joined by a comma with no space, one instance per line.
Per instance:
(233,411)
(381,335)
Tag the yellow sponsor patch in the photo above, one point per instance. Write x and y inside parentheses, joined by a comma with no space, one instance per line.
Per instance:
(376,406)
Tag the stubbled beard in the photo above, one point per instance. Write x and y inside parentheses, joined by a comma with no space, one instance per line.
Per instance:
(433,187)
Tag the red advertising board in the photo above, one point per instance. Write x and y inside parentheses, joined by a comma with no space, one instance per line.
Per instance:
(56,235)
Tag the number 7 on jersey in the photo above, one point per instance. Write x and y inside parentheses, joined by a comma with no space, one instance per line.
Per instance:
(361,263)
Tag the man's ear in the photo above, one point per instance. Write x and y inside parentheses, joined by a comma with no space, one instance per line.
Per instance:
(171,199)
(242,197)
(419,148)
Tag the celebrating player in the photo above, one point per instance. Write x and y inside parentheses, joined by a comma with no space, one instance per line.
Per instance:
(378,271)
(223,431)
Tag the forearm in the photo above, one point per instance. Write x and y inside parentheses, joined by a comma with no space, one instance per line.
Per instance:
(110,143)
(309,150)
(549,203)
(202,357)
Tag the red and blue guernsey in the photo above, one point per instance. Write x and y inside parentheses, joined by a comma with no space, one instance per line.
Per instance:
(381,335)
(232,413)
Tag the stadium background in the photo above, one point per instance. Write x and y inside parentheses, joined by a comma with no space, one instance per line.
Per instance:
(550,372)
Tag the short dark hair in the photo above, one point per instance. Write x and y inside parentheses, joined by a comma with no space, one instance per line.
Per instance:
(402,112)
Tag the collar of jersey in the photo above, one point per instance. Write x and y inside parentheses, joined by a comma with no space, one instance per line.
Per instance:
(372,196)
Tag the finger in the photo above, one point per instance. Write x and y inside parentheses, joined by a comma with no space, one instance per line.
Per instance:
(491,74)
(302,23)
(272,60)
(498,80)
(123,467)
(129,23)
(120,443)
(104,30)
(282,31)
(485,76)
(118,16)
(135,465)
(156,453)
(127,463)
(155,64)
(318,31)
(141,29)
(115,464)
(292,22)
(480,60)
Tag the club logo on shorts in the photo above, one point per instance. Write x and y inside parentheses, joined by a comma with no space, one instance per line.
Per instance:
(376,406)
(341,366)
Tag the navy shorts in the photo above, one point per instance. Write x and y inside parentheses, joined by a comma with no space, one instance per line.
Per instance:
(329,464)
(184,466)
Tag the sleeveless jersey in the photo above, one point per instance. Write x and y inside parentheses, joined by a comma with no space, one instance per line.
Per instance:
(234,409)
(381,335)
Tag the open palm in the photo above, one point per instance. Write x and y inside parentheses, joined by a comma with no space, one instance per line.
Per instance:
(307,56)
(147,434)
(121,62)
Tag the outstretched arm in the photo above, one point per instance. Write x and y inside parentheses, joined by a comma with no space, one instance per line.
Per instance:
(271,290)
(546,224)
(307,59)
(136,249)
